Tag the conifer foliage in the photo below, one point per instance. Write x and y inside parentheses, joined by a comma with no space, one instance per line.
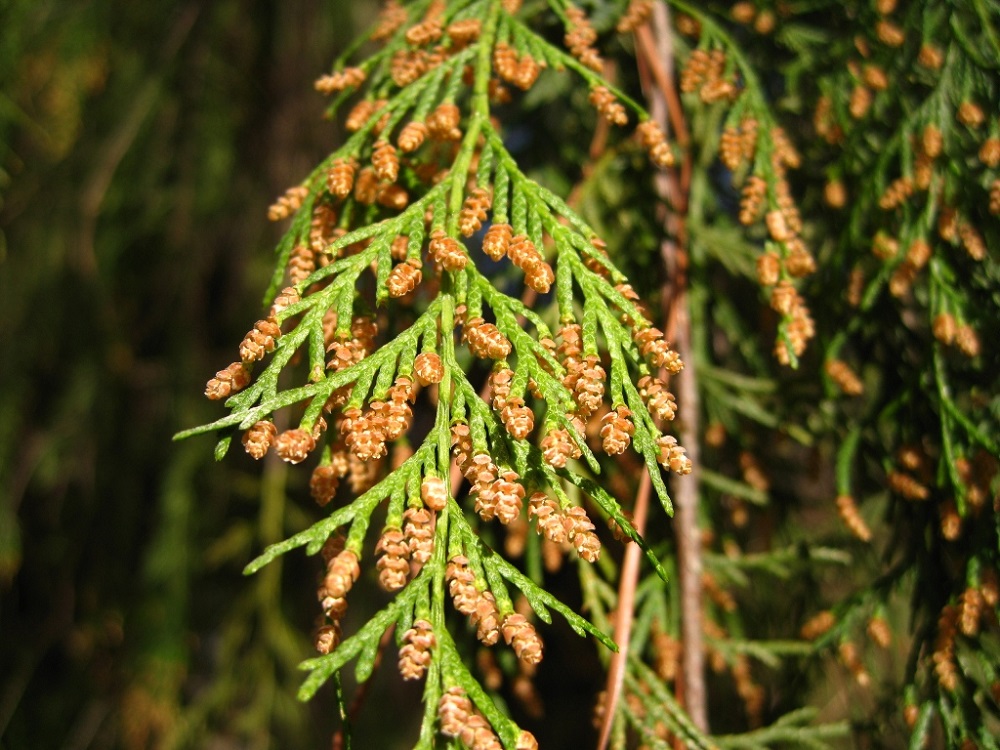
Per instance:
(454,351)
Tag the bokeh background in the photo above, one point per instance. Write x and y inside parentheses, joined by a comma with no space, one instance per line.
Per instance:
(140,145)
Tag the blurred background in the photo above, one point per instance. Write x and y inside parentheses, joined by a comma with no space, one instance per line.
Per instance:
(140,145)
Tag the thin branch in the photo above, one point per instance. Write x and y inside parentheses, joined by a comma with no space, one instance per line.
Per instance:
(663,103)
(625,613)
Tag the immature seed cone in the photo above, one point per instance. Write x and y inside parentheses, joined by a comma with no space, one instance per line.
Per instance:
(346,78)
(385,161)
(879,632)
(817,625)
(260,341)
(434,493)
(580,531)
(285,299)
(558,447)
(443,122)
(418,528)
(548,517)
(672,456)
(404,278)
(447,252)
(508,497)
(295,445)
(617,430)
(485,340)
(323,484)
(842,374)
(340,178)
(359,114)
(465,31)
(234,378)
(473,212)
(341,573)
(609,107)
(659,400)
(903,484)
(412,136)
(428,368)
(288,203)
(462,585)
(657,351)
(517,418)
(637,14)
(394,565)
(522,637)
(848,510)
(499,382)
(327,638)
(259,438)
(415,654)
(497,240)
(486,618)
(588,386)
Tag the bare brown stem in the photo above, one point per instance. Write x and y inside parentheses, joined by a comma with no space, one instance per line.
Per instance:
(624,618)
(664,102)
